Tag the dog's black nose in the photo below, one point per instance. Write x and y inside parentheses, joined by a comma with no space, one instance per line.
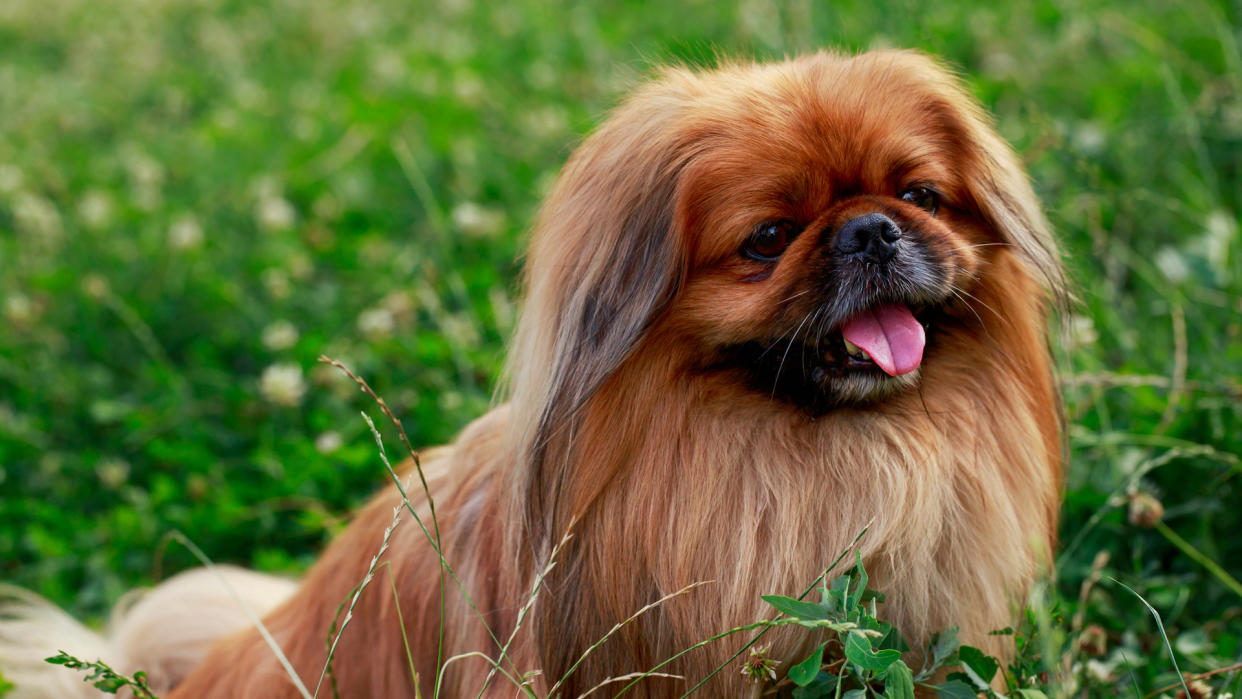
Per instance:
(871,238)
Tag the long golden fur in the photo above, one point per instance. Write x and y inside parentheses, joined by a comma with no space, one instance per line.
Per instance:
(647,417)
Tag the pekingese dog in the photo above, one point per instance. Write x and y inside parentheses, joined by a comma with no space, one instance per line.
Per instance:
(767,306)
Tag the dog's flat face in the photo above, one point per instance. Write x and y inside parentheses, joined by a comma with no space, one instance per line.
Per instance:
(829,224)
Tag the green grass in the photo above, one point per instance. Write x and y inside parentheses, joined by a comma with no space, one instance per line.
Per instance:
(193,192)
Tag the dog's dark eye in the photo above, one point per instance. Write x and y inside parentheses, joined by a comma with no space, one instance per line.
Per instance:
(769,240)
(922,197)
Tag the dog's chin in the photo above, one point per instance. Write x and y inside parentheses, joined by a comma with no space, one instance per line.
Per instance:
(867,386)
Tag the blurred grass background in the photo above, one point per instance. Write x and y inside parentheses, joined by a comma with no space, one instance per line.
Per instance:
(198,197)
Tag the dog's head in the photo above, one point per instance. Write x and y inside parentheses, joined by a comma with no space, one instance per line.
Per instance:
(812,229)
(808,222)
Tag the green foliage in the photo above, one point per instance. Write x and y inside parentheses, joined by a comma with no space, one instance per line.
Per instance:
(864,653)
(198,199)
(104,678)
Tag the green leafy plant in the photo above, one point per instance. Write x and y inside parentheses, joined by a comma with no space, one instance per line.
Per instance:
(103,677)
(862,655)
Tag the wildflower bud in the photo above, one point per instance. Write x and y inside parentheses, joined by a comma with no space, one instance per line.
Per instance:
(1145,510)
(95,286)
(280,335)
(185,234)
(1199,689)
(1093,642)
(1099,672)
(112,472)
(758,666)
(282,384)
(18,309)
(376,323)
(328,442)
(197,485)
(275,213)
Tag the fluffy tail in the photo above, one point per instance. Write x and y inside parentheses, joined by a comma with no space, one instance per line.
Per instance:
(163,632)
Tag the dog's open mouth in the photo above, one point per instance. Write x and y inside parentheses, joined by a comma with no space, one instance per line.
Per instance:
(885,341)
(887,336)
(865,357)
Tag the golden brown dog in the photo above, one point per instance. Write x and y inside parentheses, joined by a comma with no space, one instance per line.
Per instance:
(766,306)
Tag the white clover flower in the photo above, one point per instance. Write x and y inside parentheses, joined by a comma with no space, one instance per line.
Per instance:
(144,170)
(461,329)
(10,178)
(502,307)
(400,304)
(112,472)
(388,67)
(451,400)
(301,267)
(96,286)
(275,214)
(327,442)
(376,323)
(476,220)
(1090,138)
(282,384)
(1172,264)
(280,335)
(277,282)
(546,123)
(1082,332)
(18,309)
(36,215)
(468,89)
(185,234)
(1099,671)
(1221,231)
(95,209)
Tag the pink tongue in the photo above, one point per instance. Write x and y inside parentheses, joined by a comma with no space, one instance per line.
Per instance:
(891,335)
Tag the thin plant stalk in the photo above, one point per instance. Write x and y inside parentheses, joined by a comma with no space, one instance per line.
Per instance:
(366,580)
(409,655)
(1160,625)
(250,615)
(623,678)
(530,603)
(617,627)
(418,466)
(495,665)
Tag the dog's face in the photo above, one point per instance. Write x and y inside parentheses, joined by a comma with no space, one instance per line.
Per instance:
(828,225)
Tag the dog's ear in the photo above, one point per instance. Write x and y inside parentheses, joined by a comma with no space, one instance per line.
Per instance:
(604,262)
(1004,197)
(995,178)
